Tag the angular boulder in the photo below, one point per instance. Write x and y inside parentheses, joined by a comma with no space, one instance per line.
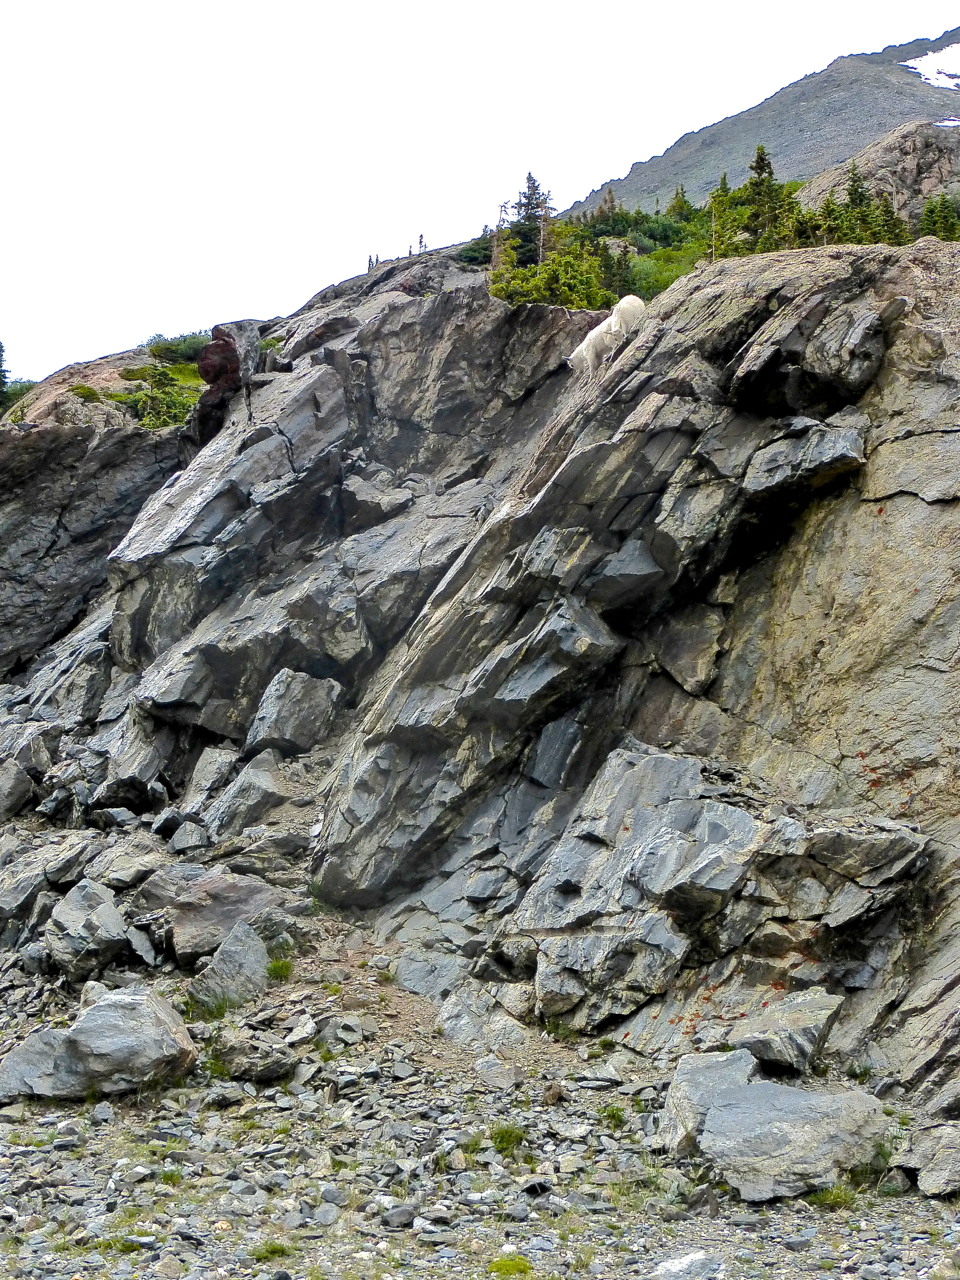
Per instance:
(771,1140)
(789,1031)
(254,792)
(698,1079)
(294,714)
(237,973)
(204,905)
(366,504)
(934,1155)
(85,931)
(16,789)
(250,1055)
(127,1039)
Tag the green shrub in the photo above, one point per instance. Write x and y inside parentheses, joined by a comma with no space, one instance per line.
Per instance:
(556,1029)
(165,400)
(13,392)
(279,970)
(613,1115)
(506,1138)
(571,277)
(89,395)
(185,348)
(513,1264)
(270,1249)
(479,252)
(840,1196)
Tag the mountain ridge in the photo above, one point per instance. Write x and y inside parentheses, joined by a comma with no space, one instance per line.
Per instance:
(808,126)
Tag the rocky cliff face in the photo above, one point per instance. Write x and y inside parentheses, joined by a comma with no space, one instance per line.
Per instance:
(821,120)
(628,702)
(911,165)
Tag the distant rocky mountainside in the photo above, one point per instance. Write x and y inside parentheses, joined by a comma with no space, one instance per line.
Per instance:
(620,706)
(911,165)
(809,126)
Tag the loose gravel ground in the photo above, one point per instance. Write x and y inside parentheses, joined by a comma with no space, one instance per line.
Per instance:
(403,1154)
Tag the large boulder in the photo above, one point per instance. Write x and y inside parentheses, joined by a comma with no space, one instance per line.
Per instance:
(85,931)
(698,1079)
(933,1154)
(257,789)
(202,905)
(771,1140)
(294,714)
(16,789)
(128,1039)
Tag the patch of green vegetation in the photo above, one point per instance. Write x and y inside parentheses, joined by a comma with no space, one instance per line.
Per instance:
(858,1071)
(185,348)
(472,1144)
(332,988)
(606,1044)
(612,1115)
(513,1264)
(385,978)
(90,395)
(270,344)
(840,1196)
(172,1177)
(939,218)
(593,258)
(279,970)
(507,1138)
(479,252)
(268,1249)
(215,1066)
(188,375)
(558,1030)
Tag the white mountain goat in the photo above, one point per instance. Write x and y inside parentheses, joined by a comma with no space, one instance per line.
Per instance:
(607,336)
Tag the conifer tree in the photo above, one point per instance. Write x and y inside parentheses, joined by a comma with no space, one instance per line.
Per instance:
(764,197)
(3,379)
(529,229)
(948,226)
(891,227)
(928,219)
(680,207)
(831,219)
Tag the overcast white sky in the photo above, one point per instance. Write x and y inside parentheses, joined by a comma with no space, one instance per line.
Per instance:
(170,165)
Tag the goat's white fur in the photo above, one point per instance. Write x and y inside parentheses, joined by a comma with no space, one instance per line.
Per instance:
(607,336)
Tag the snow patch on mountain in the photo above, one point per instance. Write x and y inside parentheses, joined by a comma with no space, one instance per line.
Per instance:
(941,69)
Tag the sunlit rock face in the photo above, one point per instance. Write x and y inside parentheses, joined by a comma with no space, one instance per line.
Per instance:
(627,701)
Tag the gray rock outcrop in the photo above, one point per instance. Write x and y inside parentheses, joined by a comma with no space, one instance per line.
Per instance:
(237,973)
(608,695)
(771,1140)
(127,1039)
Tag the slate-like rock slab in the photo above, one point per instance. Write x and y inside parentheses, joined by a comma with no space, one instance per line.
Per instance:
(85,931)
(237,973)
(204,905)
(789,1031)
(15,788)
(934,1153)
(698,1079)
(256,790)
(294,714)
(770,1140)
(127,1039)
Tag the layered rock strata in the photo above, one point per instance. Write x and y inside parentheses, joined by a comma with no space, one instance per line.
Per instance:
(628,702)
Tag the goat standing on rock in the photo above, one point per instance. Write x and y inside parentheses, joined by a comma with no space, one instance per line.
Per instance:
(607,336)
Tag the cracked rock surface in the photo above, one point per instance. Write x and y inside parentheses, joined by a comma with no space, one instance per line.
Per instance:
(617,711)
